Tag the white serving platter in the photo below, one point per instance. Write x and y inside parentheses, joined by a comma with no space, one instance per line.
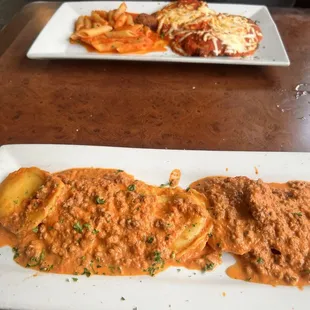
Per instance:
(53,41)
(24,289)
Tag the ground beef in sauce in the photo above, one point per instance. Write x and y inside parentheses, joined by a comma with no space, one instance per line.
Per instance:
(265,224)
(234,228)
(110,223)
(106,222)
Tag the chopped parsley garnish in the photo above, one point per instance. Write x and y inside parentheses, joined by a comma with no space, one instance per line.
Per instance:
(35,230)
(99,266)
(157,257)
(86,225)
(50,228)
(207,267)
(75,279)
(122,298)
(154,267)
(113,268)
(248,279)
(210,235)
(99,201)
(95,231)
(131,187)
(151,270)
(92,267)
(162,36)
(37,261)
(119,170)
(260,260)
(194,225)
(218,244)
(178,270)
(150,239)
(78,227)
(297,214)
(16,253)
(15,201)
(86,272)
(306,271)
(83,257)
(188,188)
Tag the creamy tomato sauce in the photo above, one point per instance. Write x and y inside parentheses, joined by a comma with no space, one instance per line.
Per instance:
(106,222)
(266,227)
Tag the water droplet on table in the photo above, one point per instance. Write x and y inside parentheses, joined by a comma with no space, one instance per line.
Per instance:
(302,89)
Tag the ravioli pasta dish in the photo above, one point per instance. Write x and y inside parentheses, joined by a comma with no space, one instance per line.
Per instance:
(190,28)
(105,222)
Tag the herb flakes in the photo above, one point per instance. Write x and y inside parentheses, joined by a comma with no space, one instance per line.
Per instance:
(16,252)
(86,225)
(150,239)
(86,272)
(99,201)
(78,227)
(208,267)
(260,260)
(131,187)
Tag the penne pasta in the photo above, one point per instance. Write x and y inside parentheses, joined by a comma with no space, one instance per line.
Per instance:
(121,34)
(79,23)
(107,47)
(74,37)
(94,31)
(98,19)
(110,17)
(122,9)
(96,25)
(120,22)
(103,14)
(115,31)
(133,45)
(129,20)
(87,22)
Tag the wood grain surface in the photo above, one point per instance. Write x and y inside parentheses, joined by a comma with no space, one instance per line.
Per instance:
(155,105)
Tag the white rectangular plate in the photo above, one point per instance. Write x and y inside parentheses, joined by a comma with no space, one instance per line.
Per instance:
(185,290)
(53,41)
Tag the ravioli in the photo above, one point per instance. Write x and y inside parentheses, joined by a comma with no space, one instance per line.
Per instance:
(235,229)
(27,196)
(103,221)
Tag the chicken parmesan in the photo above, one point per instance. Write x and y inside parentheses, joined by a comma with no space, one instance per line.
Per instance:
(195,30)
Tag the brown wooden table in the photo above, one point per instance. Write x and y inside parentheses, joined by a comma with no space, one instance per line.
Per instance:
(156,105)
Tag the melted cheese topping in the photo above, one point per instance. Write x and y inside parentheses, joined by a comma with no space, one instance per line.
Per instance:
(231,35)
(235,32)
(177,17)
